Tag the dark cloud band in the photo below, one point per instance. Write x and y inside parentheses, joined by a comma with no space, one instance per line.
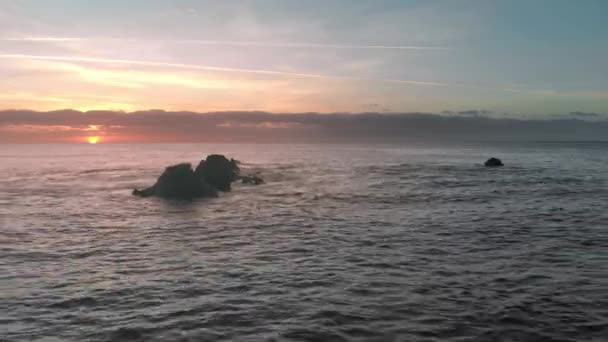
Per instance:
(158,125)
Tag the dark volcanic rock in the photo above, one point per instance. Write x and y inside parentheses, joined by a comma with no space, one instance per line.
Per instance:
(493,162)
(178,181)
(218,171)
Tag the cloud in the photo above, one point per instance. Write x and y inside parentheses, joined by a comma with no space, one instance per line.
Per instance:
(130,78)
(585,114)
(262,44)
(144,63)
(160,126)
(472,113)
(311,45)
(44,39)
(212,68)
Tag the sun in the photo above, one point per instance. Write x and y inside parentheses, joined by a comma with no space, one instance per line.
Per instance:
(93,139)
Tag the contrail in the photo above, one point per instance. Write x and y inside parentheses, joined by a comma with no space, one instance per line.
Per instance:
(43,39)
(310,45)
(233,43)
(212,68)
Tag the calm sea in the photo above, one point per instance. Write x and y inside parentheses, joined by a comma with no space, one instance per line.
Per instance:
(368,243)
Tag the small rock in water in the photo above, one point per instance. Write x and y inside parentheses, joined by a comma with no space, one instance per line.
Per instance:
(492,162)
(253,180)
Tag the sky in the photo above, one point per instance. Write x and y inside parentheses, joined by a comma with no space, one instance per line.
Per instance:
(507,58)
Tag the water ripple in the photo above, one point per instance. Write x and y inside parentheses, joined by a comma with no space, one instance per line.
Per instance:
(340,244)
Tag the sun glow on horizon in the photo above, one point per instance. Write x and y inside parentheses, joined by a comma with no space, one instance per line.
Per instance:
(93,139)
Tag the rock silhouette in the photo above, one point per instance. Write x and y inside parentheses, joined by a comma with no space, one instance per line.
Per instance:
(216,173)
(493,162)
(178,181)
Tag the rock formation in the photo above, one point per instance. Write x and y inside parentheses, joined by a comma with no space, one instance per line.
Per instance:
(493,162)
(216,173)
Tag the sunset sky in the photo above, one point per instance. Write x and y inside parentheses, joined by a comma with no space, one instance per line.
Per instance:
(532,57)
(503,59)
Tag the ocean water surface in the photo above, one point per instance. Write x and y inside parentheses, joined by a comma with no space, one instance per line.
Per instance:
(362,243)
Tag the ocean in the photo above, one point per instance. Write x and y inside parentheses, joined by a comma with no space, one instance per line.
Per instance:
(342,243)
